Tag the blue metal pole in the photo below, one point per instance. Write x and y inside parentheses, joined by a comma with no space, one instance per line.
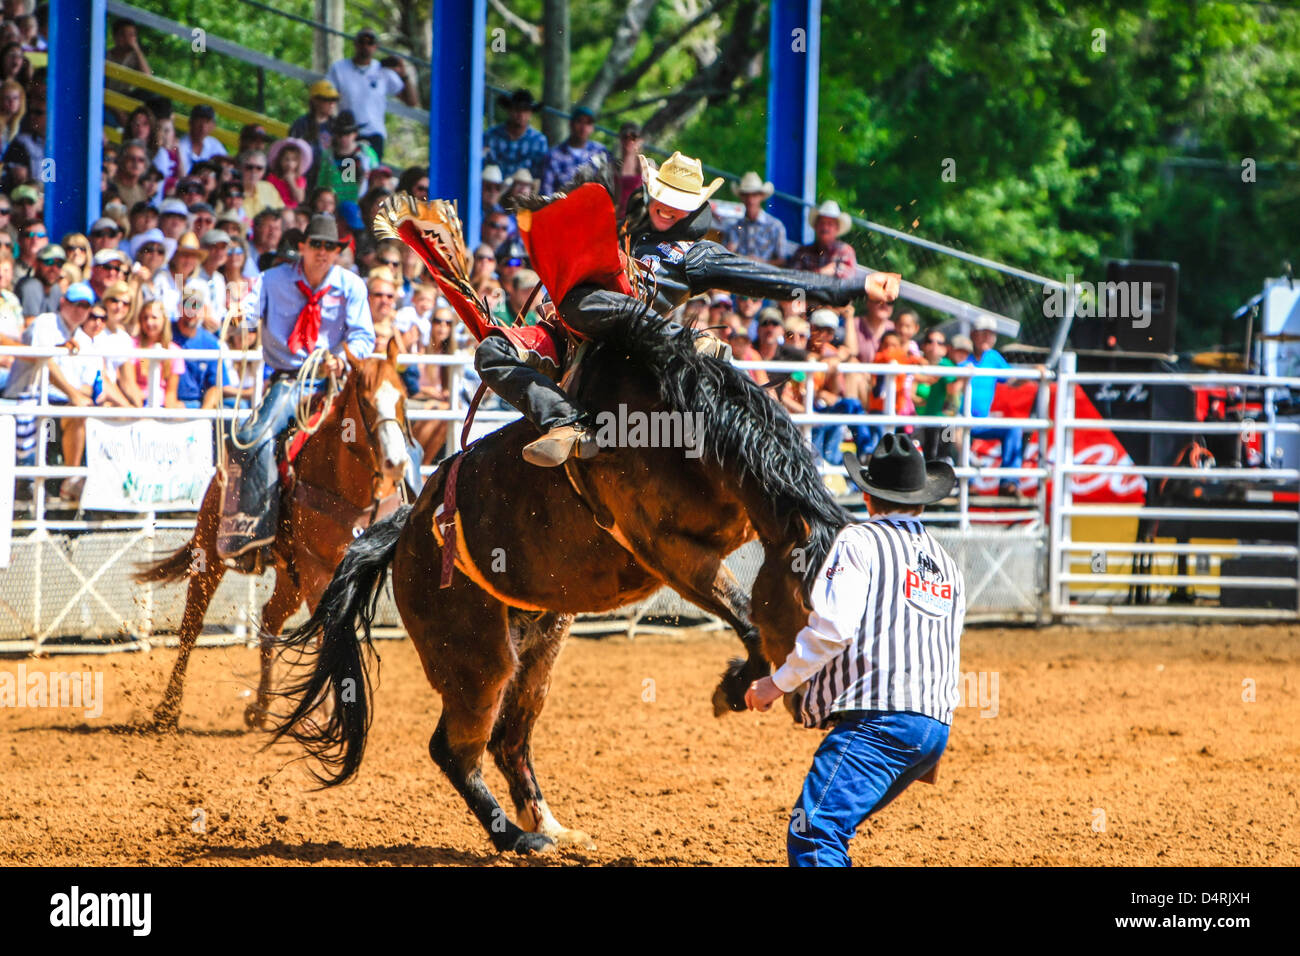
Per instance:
(75,120)
(456,78)
(793,62)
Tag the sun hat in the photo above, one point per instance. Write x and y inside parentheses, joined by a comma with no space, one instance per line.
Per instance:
(985,323)
(751,183)
(492,175)
(830,209)
(898,472)
(280,145)
(961,343)
(679,183)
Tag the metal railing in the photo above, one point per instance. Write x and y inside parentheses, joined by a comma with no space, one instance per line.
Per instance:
(1036,535)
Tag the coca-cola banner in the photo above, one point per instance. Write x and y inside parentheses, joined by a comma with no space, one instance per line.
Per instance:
(1092,446)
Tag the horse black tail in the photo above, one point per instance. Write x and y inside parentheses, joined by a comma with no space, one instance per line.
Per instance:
(341,675)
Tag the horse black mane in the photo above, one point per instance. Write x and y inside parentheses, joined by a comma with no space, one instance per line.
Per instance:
(745,431)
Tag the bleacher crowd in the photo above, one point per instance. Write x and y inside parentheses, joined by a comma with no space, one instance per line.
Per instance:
(188,227)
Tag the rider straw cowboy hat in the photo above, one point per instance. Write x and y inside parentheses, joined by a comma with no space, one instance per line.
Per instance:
(750,183)
(678,183)
(830,209)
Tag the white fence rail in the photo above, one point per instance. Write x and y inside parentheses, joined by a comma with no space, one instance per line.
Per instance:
(69,574)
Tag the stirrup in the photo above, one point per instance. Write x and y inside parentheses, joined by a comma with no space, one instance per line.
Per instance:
(559,445)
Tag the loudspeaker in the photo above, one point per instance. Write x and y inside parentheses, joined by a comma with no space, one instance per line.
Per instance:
(1261,567)
(1134,286)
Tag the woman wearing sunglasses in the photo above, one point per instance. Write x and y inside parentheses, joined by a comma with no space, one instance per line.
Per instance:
(258,193)
(77,248)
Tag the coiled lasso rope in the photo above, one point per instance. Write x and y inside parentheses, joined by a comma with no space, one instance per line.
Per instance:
(306,373)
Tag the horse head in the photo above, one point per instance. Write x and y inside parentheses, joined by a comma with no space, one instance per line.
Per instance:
(376,396)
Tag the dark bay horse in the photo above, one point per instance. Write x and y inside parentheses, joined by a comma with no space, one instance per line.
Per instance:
(537,546)
(349,471)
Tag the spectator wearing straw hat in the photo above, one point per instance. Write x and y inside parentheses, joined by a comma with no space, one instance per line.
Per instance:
(757,234)
(199,144)
(515,143)
(313,127)
(364,85)
(564,161)
(827,254)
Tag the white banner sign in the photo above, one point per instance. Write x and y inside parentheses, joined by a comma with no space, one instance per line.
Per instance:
(147,465)
(8,460)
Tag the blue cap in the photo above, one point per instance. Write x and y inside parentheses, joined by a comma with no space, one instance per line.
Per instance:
(350,212)
(80,292)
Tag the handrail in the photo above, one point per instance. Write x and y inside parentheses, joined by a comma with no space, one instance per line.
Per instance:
(174,91)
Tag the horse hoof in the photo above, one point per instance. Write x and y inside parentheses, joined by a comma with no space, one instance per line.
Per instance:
(532,843)
(572,839)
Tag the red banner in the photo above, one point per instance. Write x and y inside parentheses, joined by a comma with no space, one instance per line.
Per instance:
(1092,446)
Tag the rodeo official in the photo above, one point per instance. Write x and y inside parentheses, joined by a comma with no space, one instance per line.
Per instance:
(878,661)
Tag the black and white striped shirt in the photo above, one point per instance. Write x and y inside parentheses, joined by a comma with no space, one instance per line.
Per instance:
(885,628)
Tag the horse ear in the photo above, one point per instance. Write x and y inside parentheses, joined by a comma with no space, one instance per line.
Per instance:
(393,351)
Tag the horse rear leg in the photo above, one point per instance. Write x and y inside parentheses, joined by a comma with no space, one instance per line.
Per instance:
(205,575)
(539,642)
(463,639)
(284,600)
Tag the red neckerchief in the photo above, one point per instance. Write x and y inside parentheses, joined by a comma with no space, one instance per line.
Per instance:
(306,330)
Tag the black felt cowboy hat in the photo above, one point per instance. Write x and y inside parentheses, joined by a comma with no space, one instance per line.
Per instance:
(520,99)
(897,472)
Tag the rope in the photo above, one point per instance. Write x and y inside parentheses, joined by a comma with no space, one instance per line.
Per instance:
(306,374)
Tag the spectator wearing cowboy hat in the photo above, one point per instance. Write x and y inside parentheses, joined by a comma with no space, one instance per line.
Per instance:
(313,127)
(346,169)
(757,234)
(827,254)
(364,85)
(514,143)
(521,184)
(878,660)
(577,151)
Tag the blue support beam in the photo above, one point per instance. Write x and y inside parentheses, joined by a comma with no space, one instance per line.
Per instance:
(75,120)
(793,62)
(456,78)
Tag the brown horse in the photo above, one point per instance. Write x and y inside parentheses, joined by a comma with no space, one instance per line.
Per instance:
(536,546)
(348,472)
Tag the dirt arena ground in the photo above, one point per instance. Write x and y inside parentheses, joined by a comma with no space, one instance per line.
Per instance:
(1113,746)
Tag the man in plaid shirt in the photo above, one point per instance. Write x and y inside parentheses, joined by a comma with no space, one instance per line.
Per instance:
(828,254)
(576,151)
(757,234)
(514,144)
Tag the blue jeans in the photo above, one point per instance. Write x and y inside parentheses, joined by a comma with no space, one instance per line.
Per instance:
(826,439)
(1013,448)
(866,760)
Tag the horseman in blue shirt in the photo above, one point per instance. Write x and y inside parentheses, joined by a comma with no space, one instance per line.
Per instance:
(301,306)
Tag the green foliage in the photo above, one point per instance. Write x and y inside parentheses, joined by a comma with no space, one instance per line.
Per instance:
(1066,154)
